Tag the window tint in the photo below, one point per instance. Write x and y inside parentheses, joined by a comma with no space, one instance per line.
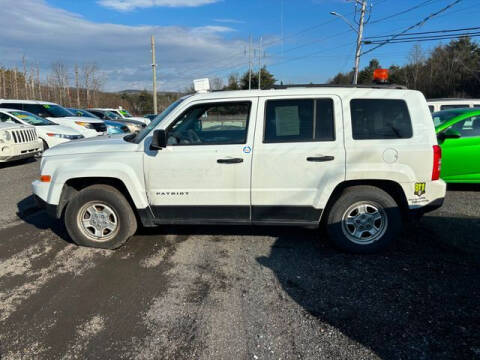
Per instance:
(469,127)
(445,107)
(12,106)
(299,120)
(214,123)
(431,108)
(380,119)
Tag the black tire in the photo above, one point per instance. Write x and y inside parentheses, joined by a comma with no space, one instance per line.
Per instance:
(345,211)
(112,199)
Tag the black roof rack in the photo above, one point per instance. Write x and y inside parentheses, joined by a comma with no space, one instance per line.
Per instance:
(370,86)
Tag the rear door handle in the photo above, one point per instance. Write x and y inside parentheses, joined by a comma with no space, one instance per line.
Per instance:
(320,158)
(230,161)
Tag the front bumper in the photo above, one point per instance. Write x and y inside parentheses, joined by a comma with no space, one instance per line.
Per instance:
(11,152)
(50,209)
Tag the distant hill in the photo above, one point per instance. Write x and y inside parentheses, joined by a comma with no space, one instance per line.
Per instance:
(136,92)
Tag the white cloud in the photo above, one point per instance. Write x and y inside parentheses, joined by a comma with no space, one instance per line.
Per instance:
(230,21)
(45,34)
(127,5)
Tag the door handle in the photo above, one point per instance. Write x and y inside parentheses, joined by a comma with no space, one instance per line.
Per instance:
(230,161)
(320,158)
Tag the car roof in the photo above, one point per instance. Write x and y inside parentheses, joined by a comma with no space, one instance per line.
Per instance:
(38,102)
(452,100)
(343,91)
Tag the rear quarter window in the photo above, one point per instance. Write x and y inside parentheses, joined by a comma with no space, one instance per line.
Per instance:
(380,119)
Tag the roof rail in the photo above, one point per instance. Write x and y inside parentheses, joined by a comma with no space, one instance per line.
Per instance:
(370,86)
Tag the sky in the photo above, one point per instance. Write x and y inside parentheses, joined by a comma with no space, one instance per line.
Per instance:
(302,41)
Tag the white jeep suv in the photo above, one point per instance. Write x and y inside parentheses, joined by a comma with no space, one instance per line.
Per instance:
(18,142)
(358,160)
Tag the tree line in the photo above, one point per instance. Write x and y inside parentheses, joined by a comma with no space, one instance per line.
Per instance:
(449,70)
(78,87)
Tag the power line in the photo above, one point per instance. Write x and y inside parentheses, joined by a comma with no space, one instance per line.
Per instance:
(426,32)
(413,26)
(432,38)
(402,12)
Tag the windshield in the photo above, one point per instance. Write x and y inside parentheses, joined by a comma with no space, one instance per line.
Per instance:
(125,113)
(113,116)
(441,117)
(158,119)
(31,119)
(47,110)
(84,113)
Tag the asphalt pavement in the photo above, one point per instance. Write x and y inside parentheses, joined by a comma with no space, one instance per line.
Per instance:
(204,292)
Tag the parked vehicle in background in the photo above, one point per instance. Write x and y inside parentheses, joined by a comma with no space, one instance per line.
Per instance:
(50,133)
(18,142)
(357,160)
(88,127)
(458,133)
(436,105)
(124,114)
(113,127)
(150,116)
(107,115)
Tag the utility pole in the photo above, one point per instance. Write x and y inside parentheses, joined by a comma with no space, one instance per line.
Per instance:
(260,50)
(154,69)
(359,41)
(250,63)
(77,87)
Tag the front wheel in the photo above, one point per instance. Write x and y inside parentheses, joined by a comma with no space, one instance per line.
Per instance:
(365,219)
(99,216)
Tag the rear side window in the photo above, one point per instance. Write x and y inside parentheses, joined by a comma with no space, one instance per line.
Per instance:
(380,119)
(431,108)
(299,120)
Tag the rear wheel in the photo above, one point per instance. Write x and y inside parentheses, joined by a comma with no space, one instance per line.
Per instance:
(365,219)
(100,216)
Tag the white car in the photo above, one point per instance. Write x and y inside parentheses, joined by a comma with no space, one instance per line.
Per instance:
(50,133)
(88,127)
(357,160)
(18,142)
(124,114)
(451,103)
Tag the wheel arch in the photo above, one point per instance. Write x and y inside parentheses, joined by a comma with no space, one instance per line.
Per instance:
(393,188)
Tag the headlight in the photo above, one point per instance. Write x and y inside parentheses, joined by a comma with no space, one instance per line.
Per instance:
(63,136)
(6,136)
(84,124)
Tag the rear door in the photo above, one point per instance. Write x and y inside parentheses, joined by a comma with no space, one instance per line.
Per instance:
(299,153)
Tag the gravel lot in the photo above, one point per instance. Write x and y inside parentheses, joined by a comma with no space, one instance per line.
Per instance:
(237,292)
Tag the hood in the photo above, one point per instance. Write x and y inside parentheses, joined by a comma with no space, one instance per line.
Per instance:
(10,126)
(57,129)
(76,118)
(95,145)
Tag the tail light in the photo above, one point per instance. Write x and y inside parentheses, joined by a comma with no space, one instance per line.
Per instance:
(437,162)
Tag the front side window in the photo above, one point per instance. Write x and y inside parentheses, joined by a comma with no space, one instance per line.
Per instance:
(469,127)
(299,120)
(380,119)
(211,123)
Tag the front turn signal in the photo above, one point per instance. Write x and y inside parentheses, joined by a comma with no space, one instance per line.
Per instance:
(45,178)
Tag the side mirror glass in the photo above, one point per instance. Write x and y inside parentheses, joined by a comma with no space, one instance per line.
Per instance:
(159,140)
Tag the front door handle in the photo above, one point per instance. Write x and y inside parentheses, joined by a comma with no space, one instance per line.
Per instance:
(230,161)
(320,158)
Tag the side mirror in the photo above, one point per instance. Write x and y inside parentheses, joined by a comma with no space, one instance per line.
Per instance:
(159,140)
(449,134)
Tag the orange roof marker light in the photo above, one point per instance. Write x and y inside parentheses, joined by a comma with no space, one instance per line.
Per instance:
(380,76)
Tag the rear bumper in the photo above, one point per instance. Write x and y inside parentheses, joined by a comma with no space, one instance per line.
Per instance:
(420,211)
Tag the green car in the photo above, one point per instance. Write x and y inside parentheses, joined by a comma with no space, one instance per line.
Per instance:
(458,132)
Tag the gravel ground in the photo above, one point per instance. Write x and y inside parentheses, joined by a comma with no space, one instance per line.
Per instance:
(242,293)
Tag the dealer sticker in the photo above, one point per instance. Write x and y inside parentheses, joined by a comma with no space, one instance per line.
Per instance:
(420,189)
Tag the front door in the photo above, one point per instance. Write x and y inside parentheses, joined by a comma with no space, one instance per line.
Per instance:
(299,151)
(204,173)
(460,156)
